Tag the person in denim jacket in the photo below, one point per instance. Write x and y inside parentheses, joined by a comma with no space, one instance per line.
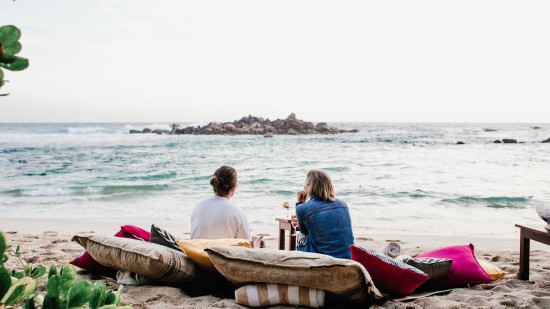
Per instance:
(324,220)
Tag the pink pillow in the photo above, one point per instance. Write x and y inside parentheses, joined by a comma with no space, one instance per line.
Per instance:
(86,261)
(464,270)
(388,275)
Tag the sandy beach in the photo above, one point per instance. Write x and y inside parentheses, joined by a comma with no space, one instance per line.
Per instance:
(51,242)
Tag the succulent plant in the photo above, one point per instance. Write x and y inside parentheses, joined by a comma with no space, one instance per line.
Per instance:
(9,47)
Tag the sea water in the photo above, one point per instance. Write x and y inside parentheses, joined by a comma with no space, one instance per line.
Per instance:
(402,178)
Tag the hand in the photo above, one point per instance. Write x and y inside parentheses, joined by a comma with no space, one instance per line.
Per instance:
(302,196)
(258,242)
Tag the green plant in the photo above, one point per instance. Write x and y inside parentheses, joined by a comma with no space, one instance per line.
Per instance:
(9,47)
(18,289)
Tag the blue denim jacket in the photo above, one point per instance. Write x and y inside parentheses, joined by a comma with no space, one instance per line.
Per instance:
(327,227)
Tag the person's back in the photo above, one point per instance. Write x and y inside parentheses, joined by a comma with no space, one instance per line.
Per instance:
(217,218)
(327,226)
(323,220)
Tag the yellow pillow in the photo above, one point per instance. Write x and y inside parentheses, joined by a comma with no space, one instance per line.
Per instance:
(493,271)
(194,248)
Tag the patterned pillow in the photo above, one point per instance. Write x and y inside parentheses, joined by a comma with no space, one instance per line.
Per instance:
(162,237)
(388,275)
(434,267)
(268,294)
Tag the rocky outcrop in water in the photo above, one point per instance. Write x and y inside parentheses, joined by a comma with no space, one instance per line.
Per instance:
(256,126)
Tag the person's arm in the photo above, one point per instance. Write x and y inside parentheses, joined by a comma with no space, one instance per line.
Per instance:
(300,218)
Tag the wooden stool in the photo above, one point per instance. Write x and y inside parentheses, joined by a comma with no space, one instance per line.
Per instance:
(285,225)
(525,235)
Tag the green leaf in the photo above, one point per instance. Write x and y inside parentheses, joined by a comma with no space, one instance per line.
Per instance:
(2,251)
(119,295)
(99,295)
(18,251)
(22,288)
(3,245)
(13,295)
(50,302)
(29,304)
(38,272)
(9,38)
(18,275)
(14,63)
(5,283)
(4,259)
(53,287)
(28,269)
(79,294)
(53,271)
(110,299)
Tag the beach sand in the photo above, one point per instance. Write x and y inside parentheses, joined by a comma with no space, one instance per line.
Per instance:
(51,242)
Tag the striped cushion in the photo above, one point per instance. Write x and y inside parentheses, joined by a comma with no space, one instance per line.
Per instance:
(267,294)
(162,237)
(434,267)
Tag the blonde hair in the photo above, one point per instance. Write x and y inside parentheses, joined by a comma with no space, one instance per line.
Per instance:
(320,185)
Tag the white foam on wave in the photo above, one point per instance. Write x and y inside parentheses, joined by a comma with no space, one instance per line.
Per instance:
(93,130)
(47,192)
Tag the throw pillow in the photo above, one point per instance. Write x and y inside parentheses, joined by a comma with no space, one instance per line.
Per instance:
(388,275)
(156,263)
(464,270)
(435,268)
(493,271)
(162,237)
(194,248)
(85,261)
(343,279)
(268,294)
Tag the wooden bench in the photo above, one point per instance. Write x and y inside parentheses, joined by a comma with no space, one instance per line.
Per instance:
(285,225)
(525,235)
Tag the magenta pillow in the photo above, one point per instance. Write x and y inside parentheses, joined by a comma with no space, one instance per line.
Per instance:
(388,275)
(464,270)
(86,261)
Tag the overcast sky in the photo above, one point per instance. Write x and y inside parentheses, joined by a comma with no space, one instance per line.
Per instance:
(174,60)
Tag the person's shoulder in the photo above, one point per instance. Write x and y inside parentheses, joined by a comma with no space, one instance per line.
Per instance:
(340,202)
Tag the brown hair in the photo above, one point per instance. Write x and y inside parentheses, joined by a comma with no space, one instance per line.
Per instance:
(320,185)
(224,180)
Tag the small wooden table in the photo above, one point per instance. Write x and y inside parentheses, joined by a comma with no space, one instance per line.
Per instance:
(285,225)
(525,235)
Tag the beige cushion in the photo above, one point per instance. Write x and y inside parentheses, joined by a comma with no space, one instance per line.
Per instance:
(346,279)
(155,262)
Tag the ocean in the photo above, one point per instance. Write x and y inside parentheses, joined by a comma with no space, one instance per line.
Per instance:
(397,178)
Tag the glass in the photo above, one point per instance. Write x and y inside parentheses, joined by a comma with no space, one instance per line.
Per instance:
(287,206)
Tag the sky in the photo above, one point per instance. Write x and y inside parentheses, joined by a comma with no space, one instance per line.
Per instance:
(356,61)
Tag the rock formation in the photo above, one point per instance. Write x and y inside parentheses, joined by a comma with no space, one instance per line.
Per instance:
(256,126)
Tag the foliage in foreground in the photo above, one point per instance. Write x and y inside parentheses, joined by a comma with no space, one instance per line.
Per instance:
(18,289)
(9,47)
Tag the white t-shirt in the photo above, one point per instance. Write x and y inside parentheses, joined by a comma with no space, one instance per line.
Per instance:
(217,218)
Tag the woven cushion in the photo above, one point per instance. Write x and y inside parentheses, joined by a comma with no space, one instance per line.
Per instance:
(433,267)
(85,260)
(268,294)
(155,262)
(162,237)
(194,248)
(345,279)
(389,275)
(464,270)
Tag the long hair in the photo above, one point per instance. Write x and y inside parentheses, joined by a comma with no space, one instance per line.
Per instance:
(224,180)
(320,185)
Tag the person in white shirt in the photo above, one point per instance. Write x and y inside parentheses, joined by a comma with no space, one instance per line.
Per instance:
(216,217)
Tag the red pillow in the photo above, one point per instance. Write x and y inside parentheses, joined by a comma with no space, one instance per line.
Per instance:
(388,275)
(86,261)
(464,270)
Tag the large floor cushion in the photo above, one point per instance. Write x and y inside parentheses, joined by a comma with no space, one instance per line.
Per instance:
(157,263)
(194,248)
(345,279)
